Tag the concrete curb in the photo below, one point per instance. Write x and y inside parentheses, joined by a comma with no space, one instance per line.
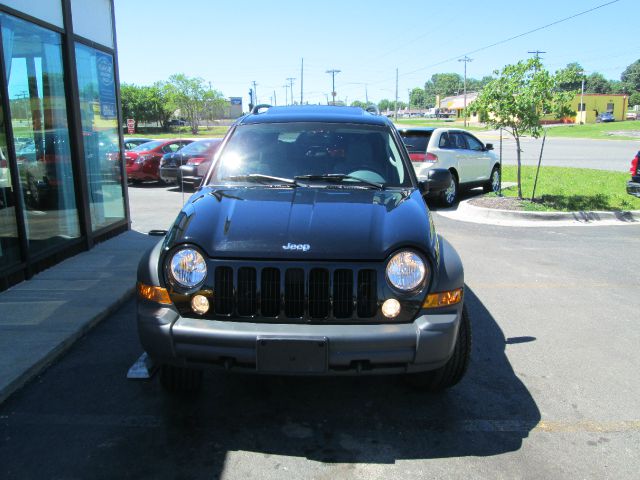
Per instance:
(470,213)
(60,349)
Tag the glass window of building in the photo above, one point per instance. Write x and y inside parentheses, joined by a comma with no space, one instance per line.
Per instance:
(84,20)
(35,78)
(96,82)
(9,245)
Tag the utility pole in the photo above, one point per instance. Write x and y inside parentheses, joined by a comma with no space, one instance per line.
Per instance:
(255,92)
(301,80)
(286,96)
(275,100)
(466,60)
(396,106)
(333,83)
(536,54)
(366,94)
(291,79)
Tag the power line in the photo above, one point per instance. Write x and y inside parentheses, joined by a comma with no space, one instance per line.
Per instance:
(584,12)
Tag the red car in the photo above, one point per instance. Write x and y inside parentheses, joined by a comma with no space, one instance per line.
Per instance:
(143,162)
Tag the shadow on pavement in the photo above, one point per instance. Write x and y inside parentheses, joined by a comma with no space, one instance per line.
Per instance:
(133,429)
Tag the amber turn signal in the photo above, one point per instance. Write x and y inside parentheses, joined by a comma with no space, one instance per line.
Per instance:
(443,299)
(153,294)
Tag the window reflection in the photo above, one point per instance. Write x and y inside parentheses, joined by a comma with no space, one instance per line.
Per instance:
(34,70)
(100,134)
(9,246)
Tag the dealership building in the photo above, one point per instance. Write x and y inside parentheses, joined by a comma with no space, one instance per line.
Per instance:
(62,184)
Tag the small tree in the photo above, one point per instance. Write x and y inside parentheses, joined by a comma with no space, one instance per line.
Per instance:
(192,97)
(517,99)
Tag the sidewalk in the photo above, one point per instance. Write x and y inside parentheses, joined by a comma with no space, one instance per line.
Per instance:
(41,318)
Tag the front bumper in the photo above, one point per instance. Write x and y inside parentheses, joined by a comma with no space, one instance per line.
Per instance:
(424,344)
(633,188)
(169,174)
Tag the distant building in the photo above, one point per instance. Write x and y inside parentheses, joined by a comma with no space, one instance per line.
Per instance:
(453,107)
(594,104)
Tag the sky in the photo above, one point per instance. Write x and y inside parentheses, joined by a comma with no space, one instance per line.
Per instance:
(235,43)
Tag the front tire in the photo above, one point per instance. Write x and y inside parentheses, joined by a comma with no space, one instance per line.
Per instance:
(451,372)
(180,379)
(493,185)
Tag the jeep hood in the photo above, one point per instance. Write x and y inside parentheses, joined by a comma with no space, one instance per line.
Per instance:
(303,223)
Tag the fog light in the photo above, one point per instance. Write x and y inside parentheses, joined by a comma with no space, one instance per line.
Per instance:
(391,308)
(200,304)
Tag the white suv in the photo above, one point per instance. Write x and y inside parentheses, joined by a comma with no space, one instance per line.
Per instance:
(471,162)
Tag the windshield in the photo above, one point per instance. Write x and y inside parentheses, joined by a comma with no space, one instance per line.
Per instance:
(358,153)
(147,146)
(198,147)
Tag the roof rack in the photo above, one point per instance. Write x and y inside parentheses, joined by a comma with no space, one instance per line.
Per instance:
(372,109)
(261,106)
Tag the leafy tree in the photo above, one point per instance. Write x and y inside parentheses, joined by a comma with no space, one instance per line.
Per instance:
(596,83)
(385,105)
(146,103)
(631,76)
(616,86)
(192,97)
(574,74)
(418,98)
(358,103)
(634,99)
(517,99)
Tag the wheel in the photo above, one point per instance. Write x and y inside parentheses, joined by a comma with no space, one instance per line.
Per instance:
(493,185)
(135,181)
(180,379)
(451,372)
(449,197)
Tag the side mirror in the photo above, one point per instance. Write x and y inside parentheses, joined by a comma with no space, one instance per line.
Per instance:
(436,181)
(488,146)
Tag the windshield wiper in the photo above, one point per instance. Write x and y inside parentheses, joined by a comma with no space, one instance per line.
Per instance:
(339,177)
(263,179)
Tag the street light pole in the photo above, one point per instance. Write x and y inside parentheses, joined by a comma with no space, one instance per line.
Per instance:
(291,79)
(333,83)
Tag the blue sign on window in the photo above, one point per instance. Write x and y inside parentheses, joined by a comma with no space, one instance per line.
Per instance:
(106,87)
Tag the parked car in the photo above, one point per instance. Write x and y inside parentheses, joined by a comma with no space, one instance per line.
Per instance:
(471,162)
(605,117)
(633,185)
(309,250)
(132,142)
(195,153)
(143,162)
(177,122)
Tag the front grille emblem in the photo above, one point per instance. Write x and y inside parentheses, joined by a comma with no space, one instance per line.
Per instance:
(305,247)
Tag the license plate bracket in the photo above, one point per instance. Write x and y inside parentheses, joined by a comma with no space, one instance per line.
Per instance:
(291,355)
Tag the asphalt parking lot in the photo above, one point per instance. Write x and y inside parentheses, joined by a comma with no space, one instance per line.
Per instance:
(551,391)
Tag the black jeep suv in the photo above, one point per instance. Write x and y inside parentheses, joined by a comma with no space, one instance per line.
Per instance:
(308,250)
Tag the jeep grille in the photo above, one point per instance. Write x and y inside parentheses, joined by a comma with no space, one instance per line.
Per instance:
(295,293)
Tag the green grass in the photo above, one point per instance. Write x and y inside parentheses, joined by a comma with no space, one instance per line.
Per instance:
(572,189)
(185,132)
(627,130)
(432,122)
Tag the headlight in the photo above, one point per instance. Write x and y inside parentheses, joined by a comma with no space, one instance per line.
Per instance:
(406,271)
(188,269)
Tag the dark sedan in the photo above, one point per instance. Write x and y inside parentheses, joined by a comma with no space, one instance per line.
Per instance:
(196,152)
(195,168)
(605,117)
